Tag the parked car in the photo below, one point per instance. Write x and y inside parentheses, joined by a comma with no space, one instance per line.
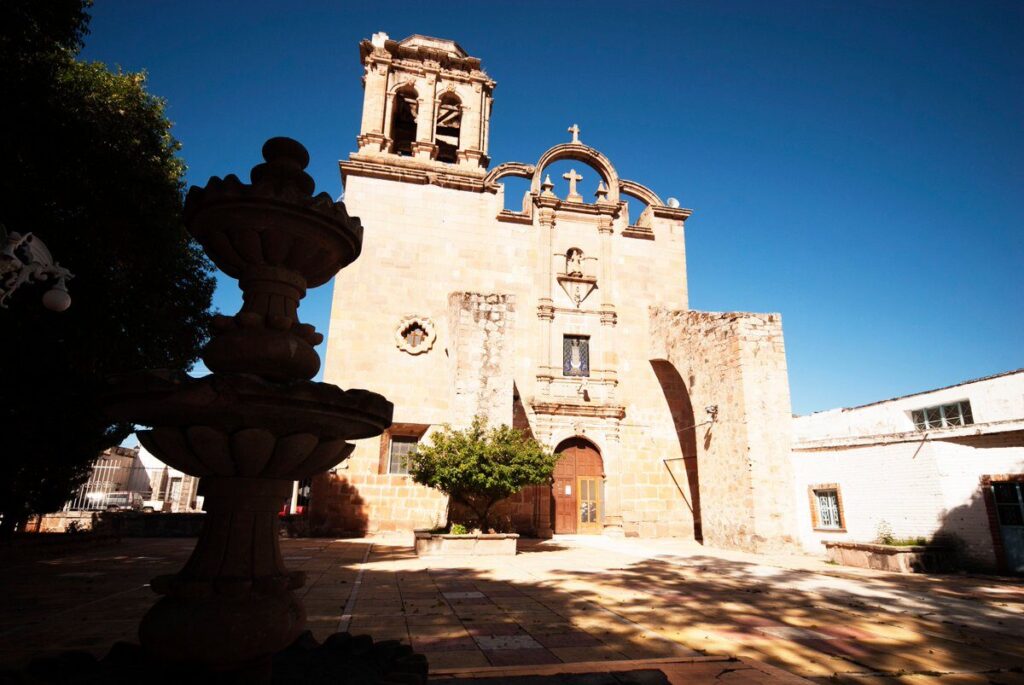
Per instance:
(121,501)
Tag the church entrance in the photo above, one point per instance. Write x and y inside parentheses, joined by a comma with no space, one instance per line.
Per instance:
(577,497)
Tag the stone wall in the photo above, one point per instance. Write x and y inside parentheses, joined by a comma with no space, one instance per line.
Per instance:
(481,356)
(735,361)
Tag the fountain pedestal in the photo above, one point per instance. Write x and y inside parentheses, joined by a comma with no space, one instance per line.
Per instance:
(255,424)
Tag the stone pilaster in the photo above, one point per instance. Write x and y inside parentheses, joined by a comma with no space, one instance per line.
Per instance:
(545,305)
(375,85)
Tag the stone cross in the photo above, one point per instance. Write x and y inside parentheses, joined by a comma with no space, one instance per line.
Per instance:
(575,131)
(572,177)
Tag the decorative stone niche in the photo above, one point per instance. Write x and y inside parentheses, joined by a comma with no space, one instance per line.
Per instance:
(575,280)
(415,335)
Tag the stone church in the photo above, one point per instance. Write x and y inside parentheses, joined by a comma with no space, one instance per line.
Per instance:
(567,318)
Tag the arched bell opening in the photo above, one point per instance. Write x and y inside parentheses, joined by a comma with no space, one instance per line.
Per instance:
(448,129)
(577,490)
(403,120)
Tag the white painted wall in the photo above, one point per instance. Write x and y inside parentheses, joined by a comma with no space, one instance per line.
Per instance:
(998,398)
(919,485)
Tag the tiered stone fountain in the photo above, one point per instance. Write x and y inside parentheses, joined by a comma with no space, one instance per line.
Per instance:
(255,424)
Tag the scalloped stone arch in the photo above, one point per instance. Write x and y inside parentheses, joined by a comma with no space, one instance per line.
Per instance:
(508,169)
(641,192)
(581,153)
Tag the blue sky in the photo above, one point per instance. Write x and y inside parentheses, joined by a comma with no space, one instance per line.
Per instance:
(858,167)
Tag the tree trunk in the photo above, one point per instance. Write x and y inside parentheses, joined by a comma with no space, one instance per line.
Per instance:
(7,523)
(485,518)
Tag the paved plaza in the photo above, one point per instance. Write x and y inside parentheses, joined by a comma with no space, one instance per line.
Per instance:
(573,599)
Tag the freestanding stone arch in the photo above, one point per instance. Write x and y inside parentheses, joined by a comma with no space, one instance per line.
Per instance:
(581,153)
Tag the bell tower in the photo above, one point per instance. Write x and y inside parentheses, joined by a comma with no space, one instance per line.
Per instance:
(426,103)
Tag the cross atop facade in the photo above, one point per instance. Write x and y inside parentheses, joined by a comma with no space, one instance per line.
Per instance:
(572,177)
(575,131)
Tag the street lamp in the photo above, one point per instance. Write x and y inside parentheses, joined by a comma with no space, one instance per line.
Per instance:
(26,259)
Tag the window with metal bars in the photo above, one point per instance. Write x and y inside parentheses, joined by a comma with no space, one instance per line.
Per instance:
(575,355)
(943,416)
(1009,499)
(829,515)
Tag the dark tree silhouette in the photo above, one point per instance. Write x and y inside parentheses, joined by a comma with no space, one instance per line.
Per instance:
(88,164)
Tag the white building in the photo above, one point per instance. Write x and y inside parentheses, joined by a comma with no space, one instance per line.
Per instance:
(946,463)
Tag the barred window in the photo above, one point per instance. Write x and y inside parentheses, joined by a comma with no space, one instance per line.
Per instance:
(829,515)
(575,355)
(402,446)
(943,416)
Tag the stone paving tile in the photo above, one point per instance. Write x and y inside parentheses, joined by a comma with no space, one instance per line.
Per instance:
(456,659)
(495,629)
(517,642)
(578,654)
(520,657)
(813,620)
(443,644)
(473,594)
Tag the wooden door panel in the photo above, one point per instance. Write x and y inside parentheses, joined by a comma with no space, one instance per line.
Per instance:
(565,505)
(578,459)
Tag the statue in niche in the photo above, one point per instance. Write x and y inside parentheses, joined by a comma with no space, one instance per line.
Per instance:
(574,262)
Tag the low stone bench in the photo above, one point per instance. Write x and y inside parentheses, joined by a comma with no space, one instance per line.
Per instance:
(472,545)
(898,559)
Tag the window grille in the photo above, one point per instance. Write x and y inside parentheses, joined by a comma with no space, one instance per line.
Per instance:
(402,447)
(943,416)
(575,355)
(828,509)
(1009,503)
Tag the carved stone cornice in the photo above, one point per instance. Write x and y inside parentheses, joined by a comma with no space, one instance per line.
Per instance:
(608,316)
(664,212)
(546,215)
(408,170)
(456,61)
(545,311)
(423,150)
(515,217)
(603,210)
(642,232)
(562,408)
(472,158)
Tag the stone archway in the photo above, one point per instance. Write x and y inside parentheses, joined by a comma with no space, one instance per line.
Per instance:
(577,493)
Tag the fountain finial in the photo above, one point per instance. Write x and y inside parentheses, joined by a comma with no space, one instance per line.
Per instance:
(285,160)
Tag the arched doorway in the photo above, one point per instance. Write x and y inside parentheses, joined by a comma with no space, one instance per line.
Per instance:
(577,494)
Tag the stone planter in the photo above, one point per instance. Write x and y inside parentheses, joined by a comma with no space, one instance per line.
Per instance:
(480,545)
(898,559)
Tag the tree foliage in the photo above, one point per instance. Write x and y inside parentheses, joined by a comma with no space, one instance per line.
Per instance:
(478,467)
(88,165)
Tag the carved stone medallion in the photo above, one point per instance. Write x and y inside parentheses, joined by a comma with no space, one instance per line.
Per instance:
(415,335)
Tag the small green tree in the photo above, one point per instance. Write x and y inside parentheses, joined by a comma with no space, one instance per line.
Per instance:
(479,467)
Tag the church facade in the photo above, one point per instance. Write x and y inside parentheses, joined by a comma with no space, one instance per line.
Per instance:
(567,317)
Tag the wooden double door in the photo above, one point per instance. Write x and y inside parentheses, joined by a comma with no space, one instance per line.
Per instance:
(578,490)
